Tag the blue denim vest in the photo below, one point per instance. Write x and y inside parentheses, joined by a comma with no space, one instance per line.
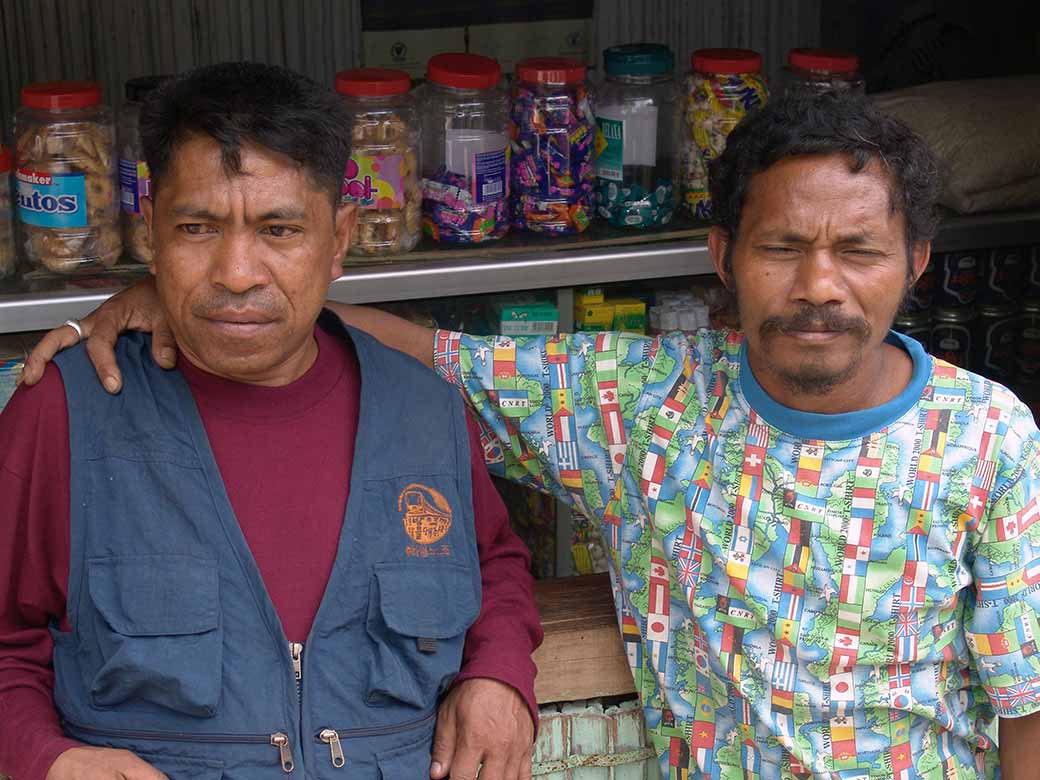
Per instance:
(176,651)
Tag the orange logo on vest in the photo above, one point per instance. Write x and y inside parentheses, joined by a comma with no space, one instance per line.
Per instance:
(427,514)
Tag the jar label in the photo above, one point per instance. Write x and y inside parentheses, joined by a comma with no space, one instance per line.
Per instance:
(375,181)
(52,200)
(135,182)
(490,180)
(610,163)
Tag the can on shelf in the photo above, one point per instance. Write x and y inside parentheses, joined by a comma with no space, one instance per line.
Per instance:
(916,325)
(952,335)
(921,296)
(1029,341)
(996,343)
(958,277)
(1004,272)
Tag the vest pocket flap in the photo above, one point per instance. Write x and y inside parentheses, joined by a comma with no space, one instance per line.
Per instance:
(435,602)
(156,595)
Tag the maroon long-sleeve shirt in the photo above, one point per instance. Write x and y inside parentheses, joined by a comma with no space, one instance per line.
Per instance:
(279,460)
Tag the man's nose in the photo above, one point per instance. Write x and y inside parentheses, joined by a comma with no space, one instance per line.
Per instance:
(237,266)
(819,279)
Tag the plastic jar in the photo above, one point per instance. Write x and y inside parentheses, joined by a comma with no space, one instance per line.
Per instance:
(134,178)
(815,71)
(68,204)
(8,261)
(465,145)
(382,177)
(725,84)
(553,132)
(636,110)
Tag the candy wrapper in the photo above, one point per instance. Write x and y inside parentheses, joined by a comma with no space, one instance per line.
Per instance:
(452,215)
(714,106)
(630,204)
(553,134)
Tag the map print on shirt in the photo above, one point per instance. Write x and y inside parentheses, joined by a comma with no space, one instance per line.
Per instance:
(794,604)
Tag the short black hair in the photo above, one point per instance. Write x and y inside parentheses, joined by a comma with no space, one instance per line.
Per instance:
(237,103)
(830,123)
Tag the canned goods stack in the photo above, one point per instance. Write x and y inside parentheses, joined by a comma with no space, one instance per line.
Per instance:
(973,308)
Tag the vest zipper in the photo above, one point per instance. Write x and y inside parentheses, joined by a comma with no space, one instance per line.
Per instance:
(278,739)
(296,653)
(332,737)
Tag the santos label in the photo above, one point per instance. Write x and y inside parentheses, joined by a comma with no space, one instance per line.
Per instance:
(52,200)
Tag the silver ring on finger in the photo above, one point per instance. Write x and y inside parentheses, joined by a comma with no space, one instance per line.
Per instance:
(76,326)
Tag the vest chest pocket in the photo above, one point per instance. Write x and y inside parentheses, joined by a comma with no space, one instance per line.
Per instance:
(417,619)
(157,631)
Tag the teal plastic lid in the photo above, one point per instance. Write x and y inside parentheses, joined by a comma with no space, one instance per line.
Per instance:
(639,59)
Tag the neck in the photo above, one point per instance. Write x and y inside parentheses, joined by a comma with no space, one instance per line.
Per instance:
(287,371)
(880,375)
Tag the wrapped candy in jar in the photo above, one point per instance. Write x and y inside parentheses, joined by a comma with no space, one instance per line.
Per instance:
(553,132)
(65,172)
(725,84)
(382,177)
(815,71)
(134,177)
(465,145)
(8,261)
(636,110)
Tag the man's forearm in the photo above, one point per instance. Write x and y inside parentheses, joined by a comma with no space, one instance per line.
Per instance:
(395,332)
(1019,738)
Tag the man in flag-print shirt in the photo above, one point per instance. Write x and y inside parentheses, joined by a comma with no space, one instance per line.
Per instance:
(827,541)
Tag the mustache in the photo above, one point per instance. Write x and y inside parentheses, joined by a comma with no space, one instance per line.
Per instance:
(222,301)
(815,318)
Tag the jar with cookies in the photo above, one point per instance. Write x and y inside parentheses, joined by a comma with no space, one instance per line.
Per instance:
(382,177)
(8,262)
(134,177)
(65,173)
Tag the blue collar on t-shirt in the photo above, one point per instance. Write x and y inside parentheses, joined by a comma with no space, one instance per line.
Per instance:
(848,425)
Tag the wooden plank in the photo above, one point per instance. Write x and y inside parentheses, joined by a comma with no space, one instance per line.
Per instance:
(582,656)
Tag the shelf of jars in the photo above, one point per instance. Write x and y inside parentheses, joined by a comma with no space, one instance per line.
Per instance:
(600,255)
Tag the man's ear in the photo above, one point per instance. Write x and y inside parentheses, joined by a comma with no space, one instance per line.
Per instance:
(920,254)
(718,248)
(148,212)
(345,223)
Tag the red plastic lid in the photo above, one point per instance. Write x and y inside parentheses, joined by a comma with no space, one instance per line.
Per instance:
(727,61)
(551,70)
(465,71)
(372,82)
(50,95)
(5,159)
(829,60)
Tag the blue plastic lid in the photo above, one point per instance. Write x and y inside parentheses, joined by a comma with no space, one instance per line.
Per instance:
(639,59)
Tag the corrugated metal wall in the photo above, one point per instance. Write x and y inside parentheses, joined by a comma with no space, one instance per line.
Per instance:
(113,40)
(767,26)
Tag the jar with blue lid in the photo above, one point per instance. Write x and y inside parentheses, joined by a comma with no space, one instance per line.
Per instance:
(638,118)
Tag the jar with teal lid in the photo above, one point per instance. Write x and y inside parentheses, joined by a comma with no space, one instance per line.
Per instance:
(637,113)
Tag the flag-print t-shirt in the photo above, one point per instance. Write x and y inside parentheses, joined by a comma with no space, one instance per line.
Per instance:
(801,595)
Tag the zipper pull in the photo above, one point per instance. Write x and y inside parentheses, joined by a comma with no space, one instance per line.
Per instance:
(281,741)
(296,651)
(331,738)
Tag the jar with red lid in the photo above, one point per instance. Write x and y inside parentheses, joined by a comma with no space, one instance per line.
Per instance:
(465,149)
(65,178)
(724,86)
(815,71)
(553,132)
(135,181)
(382,177)
(7,257)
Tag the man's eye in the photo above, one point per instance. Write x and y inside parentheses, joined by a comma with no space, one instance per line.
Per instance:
(193,228)
(779,250)
(281,231)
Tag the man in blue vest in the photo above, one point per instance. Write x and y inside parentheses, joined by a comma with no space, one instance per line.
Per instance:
(272,562)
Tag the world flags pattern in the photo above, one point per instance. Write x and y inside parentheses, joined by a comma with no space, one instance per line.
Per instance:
(793,604)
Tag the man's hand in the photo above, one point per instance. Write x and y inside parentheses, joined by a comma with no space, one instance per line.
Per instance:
(136,308)
(1018,739)
(485,722)
(94,763)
